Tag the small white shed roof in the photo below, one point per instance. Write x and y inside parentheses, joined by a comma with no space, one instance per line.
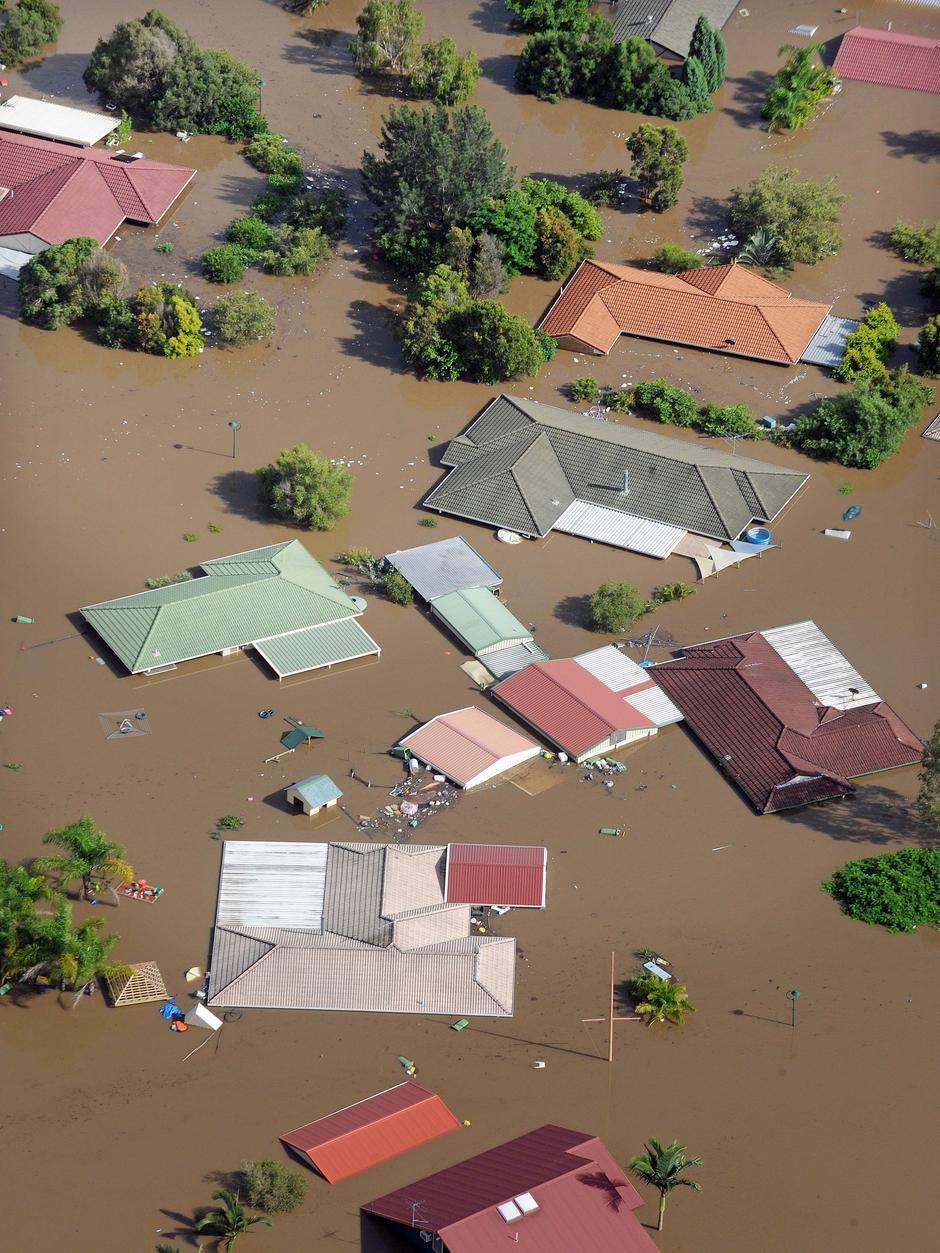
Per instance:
(620,530)
(55,121)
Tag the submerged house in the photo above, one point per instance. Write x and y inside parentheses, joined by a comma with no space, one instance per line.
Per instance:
(469,746)
(368,927)
(667,24)
(534,468)
(889,58)
(786,716)
(277,601)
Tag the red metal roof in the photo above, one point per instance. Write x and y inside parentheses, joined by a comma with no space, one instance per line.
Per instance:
(496,874)
(584,1200)
(768,731)
(57,191)
(371,1131)
(726,308)
(571,707)
(889,58)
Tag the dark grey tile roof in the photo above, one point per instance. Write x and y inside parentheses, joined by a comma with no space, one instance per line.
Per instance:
(673,20)
(353,899)
(533,460)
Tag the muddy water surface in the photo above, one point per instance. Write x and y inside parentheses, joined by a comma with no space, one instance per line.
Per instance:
(109,457)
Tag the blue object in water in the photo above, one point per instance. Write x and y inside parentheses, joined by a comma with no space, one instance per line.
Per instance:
(852,512)
(758,535)
(646,664)
(169,1010)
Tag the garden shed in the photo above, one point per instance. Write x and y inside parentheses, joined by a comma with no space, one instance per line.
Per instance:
(313,794)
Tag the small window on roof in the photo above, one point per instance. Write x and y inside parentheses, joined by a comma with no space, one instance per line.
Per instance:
(526,1202)
(509,1212)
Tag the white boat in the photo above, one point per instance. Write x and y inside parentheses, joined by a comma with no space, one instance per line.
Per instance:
(509,537)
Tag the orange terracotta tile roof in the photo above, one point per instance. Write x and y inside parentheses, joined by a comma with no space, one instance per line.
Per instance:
(889,58)
(726,308)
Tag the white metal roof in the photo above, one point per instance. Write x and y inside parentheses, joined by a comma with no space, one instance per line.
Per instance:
(814,658)
(827,347)
(621,530)
(270,884)
(635,684)
(55,121)
(448,565)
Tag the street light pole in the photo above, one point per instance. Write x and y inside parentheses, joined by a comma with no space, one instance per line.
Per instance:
(234,427)
(793,996)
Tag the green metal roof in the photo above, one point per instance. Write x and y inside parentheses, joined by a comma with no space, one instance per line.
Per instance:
(316,647)
(240,599)
(479,619)
(319,789)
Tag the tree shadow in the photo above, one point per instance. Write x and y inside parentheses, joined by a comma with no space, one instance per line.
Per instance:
(904,297)
(231,1179)
(572,610)
(326,51)
(186,1230)
(873,815)
(374,339)
(238,492)
(240,190)
(748,94)
(501,70)
(708,216)
(60,76)
(922,145)
(494,17)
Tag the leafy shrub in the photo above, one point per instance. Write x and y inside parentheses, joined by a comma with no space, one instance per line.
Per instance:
(673,259)
(269,205)
(803,216)
(620,401)
(214,528)
(50,284)
(928,347)
(441,73)
(161,580)
(869,347)
(271,154)
(429,522)
(249,232)
(559,247)
(899,891)
(548,345)
(397,588)
(305,488)
(227,263)
(667,592)
(284,183)
(614,607)
(241,317)
(604,188)
(115,322)
(167,246)
(324,209)
(919,244)
(551,15)
(356,557)
(672,405)
(230,822)
(296,250)
(273,1187)
(182,576)
(190,537)
(29,25)
(727,420)
(585,388)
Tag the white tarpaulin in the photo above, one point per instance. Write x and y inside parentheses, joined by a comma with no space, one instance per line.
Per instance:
(199,1016)
(719,559)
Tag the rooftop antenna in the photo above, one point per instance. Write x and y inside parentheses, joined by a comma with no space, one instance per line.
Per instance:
(415,1206)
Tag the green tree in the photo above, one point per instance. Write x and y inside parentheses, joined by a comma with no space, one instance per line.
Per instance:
(273,1187)
(727,420)
(928,796)
(658,153)
(129,68)
(673,259)
(866,426)
(20,892)
(708,48)
(73,955)
(227,263)
(604,188)
(397,588)
(546,193)
(305,488)
(662,1166)
(435,169)
(512,220)
(695,80)
(869,347)
(550,15)
(614,607)
(198,90)
(583,389)
(899,891)
(547,66)
(29,25)
(389,37)
(669,403)
(426,339)
(930,285)
(928,347)
(249,232)
(296,250)
(798,87)
(493,344)
(441,73)
(242,317)
(487,271)
(88,855)
(272,154)
(559,247)
(51,290)
(660,1000)
(803,215)
(919,244)
(229,1219)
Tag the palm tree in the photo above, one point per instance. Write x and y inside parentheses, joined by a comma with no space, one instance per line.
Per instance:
(229,1219)
(662,1167)
(660,999)
(74,955)
(798,87)
(90,856)
(759,249)
(19,892)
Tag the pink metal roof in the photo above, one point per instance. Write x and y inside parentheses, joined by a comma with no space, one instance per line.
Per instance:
(496,874)
(466,742)
(889,58)
(584,1199)
(371,1131)
(569,705)
(58,191)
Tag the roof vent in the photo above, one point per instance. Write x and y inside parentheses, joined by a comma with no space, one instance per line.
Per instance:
(626,482)
(526,1202)
(509,1212)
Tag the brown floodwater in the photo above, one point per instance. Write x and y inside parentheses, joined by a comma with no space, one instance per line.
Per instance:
(108,457)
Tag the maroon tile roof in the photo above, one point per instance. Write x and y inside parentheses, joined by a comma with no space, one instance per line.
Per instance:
(584,1199)
(768,731)
(371,1131)
(57,191)
(571,707)
(495,874)
(889,58)
(726,308)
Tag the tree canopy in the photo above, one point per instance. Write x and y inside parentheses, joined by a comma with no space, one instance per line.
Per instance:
(899,891)
(662,1166)
(867,425)
(29,25)
(928,796)
(615,606)
(658,153)
(305,488)
(801,215)
(798,87)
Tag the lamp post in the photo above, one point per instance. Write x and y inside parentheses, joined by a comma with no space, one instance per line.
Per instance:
(234,427)
(793,996)
(261,86)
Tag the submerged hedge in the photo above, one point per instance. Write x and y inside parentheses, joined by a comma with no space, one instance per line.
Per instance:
(899,891)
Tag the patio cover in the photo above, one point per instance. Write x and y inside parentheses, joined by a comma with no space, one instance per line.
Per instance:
(55,121)
(316,647)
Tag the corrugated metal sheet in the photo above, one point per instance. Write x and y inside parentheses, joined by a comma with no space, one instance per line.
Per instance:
(55,121)
(889,58)
(669,23)
(449,565)
(315,647)
(502,662)
(274,884)
(371,1131)
(814,658)
(584,1198)
(638,686)
(620,530)
(491,874)
(479,620)
(468,745)
(827,347)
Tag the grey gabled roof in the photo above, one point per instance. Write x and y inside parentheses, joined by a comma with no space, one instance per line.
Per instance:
(449,565)
(673,20)
(520,464)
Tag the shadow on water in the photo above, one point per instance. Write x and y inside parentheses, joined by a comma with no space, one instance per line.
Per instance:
(500,70)
(374,338)
(572,610)
(874,815)
(326,51)
(60,75)
(748,94)
(922,145)
(707,216)
(493,16)
(238,492)
(904,297)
